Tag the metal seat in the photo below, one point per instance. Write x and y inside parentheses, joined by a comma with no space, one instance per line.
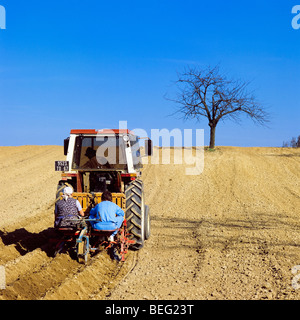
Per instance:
(95,232)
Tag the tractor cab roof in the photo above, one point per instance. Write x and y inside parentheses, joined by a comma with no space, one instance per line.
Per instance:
(101,131)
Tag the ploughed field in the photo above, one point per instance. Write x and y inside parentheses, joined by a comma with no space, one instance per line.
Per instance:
(232,232)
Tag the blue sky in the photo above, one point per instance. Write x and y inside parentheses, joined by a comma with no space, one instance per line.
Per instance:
(73,64)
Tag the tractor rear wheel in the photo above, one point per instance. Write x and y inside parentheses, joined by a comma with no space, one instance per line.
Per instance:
(135,213)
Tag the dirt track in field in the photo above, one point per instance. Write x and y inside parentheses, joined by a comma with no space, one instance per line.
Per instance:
(232,232)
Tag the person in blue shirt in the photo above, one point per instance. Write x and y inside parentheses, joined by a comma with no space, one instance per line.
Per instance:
(110,214)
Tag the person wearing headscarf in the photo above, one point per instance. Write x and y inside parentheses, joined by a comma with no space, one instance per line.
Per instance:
(66,210)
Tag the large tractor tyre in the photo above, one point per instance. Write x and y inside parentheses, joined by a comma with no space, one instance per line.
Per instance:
(135,213)
(60,188)
(147,223)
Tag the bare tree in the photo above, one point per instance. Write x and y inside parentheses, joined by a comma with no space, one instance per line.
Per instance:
(285,144)
(207,93)
(293,143)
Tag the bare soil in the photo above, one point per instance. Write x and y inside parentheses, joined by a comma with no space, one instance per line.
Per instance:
(232,232)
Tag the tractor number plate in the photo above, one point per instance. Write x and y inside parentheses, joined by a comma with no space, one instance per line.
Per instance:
(61,165)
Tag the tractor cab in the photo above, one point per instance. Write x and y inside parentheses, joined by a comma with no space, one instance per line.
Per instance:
(99,160)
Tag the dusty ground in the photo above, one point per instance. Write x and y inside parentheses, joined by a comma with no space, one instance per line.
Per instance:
(232,232)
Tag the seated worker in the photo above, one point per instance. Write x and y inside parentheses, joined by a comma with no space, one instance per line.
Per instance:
(110,214)
(66,210)
(92,163)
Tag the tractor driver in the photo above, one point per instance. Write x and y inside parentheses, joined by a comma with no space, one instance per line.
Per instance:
(66,210)
(92,163)
(111,216)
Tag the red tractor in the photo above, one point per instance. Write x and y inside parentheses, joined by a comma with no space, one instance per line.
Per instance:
(99,160)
